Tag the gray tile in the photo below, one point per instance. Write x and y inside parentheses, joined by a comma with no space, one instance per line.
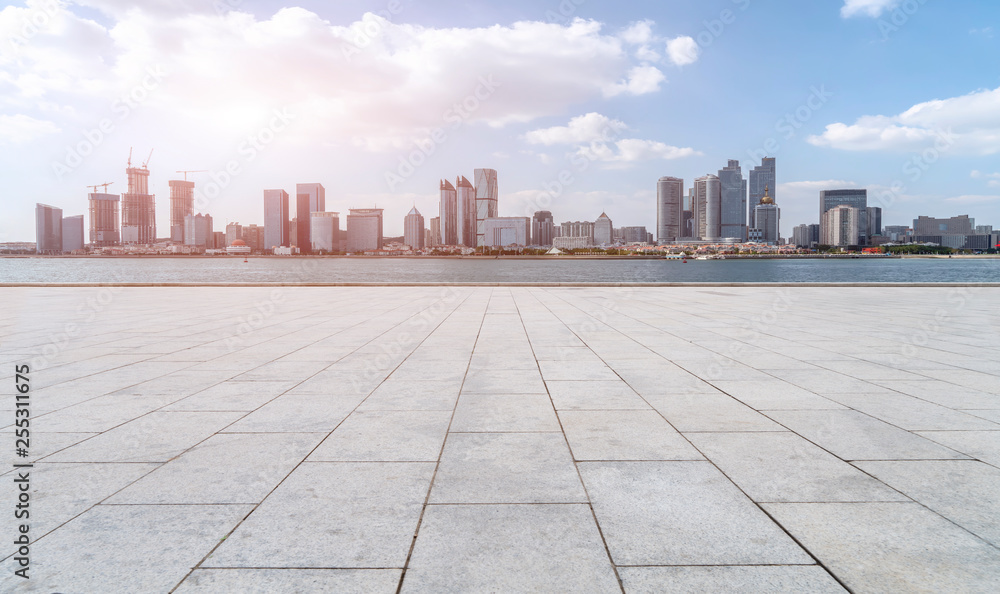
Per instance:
(789,579)
(297,413)
(504,381)
(981,445)
(509,548)
(912,414)
(386,436)
(785,467)
(504,413)
(944,393)
(576,371)
(289,581)
(616,395)
(710,412)
(364,514)
(102,413)
(413,395)
(682,513)
(892,547)
(240,396)
(507,468)
(774,395)
(851,435)
(624,435)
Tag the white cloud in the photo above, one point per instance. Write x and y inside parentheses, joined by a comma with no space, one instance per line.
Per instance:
(979,175)
(625,152)
(21,128)
(973,199)
(869,8)
(592,127)
(966,124)
(683,51)
(641,80)
(638,33)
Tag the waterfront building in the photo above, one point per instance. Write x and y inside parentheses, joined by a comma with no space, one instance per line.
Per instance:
(413,230)
(874,222)
(733,202)
(72,233)
(448,212)
(898,233)
(234,232)
(542,227)
(801,236)
(487,201)
(669,209)
(104,222)
(762,177)
(218,241)
(253,236)
(632,235)
(604,230)
(138,209)
(48,229)
(181,205)
(707,207)
(841,226)
(961,225)
(506,231)
(275,219)
(302,224)
(198,231)
(855,198)
(293,233)
(316,194)
(324,232)
(578,229)
(768,218)
(364,229)
(984,230)
(572,243)
(435,232)
(465,200)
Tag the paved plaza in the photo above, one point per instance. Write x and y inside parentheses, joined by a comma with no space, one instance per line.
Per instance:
(505,439)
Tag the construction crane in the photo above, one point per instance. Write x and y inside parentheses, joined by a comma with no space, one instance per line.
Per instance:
(105,186)
(144,165)
(130,157)
(192,171)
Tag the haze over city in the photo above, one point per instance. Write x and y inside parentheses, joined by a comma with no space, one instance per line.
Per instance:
(379,101)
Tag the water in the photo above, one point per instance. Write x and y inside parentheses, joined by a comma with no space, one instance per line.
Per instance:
(362,270)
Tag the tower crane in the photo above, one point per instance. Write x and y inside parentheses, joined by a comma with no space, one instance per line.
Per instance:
(192,171)
(105,186)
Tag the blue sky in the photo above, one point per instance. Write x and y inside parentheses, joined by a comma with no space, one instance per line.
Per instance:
(581,105)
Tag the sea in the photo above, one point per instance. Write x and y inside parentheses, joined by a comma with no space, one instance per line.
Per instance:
(489,270)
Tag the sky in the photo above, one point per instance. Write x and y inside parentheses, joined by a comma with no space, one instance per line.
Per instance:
(580,105)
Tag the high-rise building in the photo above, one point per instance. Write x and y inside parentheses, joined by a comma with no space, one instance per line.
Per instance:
(855,198)
(768,218)
(632,235)
(800,236)
(317,196)
(506,231)
(604,230)
(841,226)
(733,190)
(669,209)
(303,222)
(578,229)
(874,223)
(275,219)
(72,233)
(763,176)
(542,226)
(413,229)
(364,229)
(253,236)
(435,232)
(181,205)
(198,231)
(48,229)
(487,201)
(961,225)
(448,210)
(324,232)
(234,231)
(104,222)
(707,207)
(465,197)
(138,209)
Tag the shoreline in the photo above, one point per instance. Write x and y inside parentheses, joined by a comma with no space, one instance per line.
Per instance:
(523,257)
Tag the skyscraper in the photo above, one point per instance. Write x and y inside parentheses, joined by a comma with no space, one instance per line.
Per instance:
(734,202)
(841,226)
(487,201)
(199,231)
(707,207)
(104,222)
(181,205)
(669,209)
(435,231)
(604,230)
(317,196)
(324,231)
(448,210)
(234,231)
(72,234)
(364,229)
(855,198)
(275,219)
(303,221)
(466,213)
(874,226)
(506,231)
(48,229)
(768,217)
(542,225)
(762,177)
(138,209)
(413,229)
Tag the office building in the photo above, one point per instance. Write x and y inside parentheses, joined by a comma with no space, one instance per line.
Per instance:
(487,201)
(669,209)
(181,205)
(218,241)
(572,243)
(632,235)
(800,236)
(104,222)
(275,219)
(542,227)
(253,236)
(234,232)
(435,231)
(984,230)
(506,231)
(604,230)
(448,211)
(897,233)
(465,200)
(138,209)
(72,234)
(762,177)
(316,194)
(48,229)
(841,226)
(301,223)
(874,223)
(707,207)
(364,229)
(578,229)
(733,205)
(413,230)
(855,198)
(324,232)
(198,231)
(962,225)
(293,233)
(768,219)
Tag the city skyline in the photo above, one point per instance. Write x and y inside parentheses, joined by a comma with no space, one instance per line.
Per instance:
(638,108)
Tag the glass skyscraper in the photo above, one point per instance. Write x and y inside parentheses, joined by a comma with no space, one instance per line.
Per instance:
(669,209)
(275,219)
(734,202)
(487,197)
(763,177)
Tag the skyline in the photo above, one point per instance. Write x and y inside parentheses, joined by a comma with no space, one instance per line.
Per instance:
(661,95)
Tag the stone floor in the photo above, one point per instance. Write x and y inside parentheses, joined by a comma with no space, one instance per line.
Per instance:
(462,439)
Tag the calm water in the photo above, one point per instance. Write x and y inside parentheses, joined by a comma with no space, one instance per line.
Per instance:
(212,270)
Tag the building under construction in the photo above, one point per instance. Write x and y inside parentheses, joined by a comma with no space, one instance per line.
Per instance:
(104,229)
(138,208)
(181,205)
